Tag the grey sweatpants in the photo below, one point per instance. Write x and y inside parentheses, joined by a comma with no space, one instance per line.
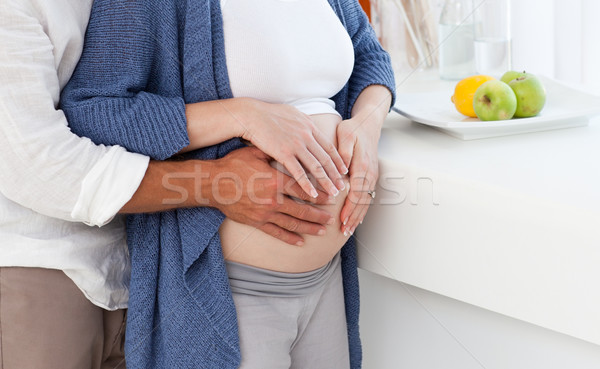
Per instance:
(305,332)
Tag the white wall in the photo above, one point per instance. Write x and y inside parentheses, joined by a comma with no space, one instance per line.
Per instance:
(557,38)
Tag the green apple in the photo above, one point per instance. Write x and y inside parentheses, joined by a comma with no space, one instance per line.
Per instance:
(531,95)
(494,100)
(510,75)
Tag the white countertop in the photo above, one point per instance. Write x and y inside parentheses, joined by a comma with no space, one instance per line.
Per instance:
(510,224)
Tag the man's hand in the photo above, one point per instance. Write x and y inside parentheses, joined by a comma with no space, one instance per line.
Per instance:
(242,185)
(250,191)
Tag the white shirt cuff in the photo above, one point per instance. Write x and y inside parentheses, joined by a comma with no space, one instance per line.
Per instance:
(108,186)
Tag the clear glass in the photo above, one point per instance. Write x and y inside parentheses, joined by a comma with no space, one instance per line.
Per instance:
(492,36)
(455,33)
(407,30)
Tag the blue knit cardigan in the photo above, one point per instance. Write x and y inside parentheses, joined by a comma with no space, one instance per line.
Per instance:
(143,60)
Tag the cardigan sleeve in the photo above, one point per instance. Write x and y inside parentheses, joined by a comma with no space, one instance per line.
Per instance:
(372,64)
(114,97)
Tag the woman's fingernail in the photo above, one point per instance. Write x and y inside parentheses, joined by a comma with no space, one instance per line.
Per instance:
(345,221)
(344,169)
(341,185)
(321,232)
(360,222)
(345,233)
(314,193)
(300,243)
(331,221)
(335,192)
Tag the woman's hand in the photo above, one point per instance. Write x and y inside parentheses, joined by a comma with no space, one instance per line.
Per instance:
(358,139)
(357,142)
(291,138)
(279,130)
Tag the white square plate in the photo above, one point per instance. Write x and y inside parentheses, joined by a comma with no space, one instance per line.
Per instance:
(565,107)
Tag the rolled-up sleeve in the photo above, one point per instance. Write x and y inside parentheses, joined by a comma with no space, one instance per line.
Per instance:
(43,165)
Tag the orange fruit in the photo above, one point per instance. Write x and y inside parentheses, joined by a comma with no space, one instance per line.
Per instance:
(464,91)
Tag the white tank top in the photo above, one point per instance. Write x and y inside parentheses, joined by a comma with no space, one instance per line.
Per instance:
(293,52)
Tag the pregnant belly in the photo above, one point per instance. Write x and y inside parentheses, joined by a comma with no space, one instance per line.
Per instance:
(247,245)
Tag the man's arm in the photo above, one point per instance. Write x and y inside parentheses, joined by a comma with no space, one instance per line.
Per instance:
(43,165)
(242,185)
